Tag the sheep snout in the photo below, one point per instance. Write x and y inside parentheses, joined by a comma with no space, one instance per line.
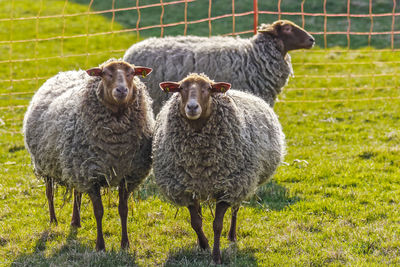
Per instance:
(120,93)
(309,43)
(193,110)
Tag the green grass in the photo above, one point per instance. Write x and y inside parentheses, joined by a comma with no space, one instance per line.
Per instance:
(335,201)
(199,9)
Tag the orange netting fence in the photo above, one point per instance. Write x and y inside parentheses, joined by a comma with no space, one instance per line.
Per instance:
(40,38)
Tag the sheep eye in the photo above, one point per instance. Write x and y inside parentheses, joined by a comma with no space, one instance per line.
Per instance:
(287,29)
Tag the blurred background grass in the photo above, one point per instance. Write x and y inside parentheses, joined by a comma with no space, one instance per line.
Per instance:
(199,9)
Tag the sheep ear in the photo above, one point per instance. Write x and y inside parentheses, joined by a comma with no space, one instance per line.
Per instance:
(220,87)
(94,72)
(142,71)
(270,29)
(170,87)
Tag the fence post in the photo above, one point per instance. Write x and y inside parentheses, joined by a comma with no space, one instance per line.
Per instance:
(255,10)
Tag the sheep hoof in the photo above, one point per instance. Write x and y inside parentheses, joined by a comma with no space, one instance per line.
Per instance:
(203,245)
(217,259)
(100,249)
(124,244)
(100,246)
(232,237)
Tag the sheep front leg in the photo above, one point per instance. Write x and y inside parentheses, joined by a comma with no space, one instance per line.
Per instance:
(50,199)
(98,210)
(76,217)
(217,227)
(197,224)
(232,230)
(123,213)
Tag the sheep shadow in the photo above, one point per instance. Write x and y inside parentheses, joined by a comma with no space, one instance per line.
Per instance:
(194,256)
(72,253)
(272,196)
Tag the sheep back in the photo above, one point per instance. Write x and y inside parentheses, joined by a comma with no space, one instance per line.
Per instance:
(239,148)
(74,139)
(254,65)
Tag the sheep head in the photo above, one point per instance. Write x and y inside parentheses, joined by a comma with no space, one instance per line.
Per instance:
(117,88)
(196,91)
(288,35)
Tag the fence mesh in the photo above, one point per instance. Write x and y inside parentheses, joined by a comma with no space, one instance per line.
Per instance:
(357,59)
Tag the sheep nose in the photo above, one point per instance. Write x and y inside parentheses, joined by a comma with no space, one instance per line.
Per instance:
(122,90)
(312,40)
(192,106)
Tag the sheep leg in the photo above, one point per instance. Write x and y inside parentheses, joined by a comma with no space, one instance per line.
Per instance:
(197,224)
(76,217)
(98,210)
(232,230)
(50,199)
(123,213)
(217,227)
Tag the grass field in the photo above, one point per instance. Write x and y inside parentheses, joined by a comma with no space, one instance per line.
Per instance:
(199,9)
(335,201)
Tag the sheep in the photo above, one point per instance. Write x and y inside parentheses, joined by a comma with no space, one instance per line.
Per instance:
(259,65)
(90,129)
(210,145)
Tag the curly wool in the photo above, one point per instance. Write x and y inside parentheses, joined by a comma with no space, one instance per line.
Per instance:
(254,65)
(74,139)
(238,149)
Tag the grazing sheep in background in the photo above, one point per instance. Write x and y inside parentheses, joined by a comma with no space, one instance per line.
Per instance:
(87,132)
(210,145)
(259,65)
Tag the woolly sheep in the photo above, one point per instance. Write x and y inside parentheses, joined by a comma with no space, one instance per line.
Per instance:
(89,131)
(211,145)
(259,65)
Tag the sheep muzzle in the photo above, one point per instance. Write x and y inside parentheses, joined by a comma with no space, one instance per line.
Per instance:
(120,93)
(193,110)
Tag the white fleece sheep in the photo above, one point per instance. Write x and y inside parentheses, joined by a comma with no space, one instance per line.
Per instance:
(210,145)
(259,65)
(86,132)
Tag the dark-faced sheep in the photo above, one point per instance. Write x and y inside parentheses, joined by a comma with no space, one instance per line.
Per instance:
(211,145)
(89,131)
(259,65)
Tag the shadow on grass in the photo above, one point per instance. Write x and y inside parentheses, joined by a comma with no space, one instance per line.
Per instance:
(231,256)
(72,253)
(272,196)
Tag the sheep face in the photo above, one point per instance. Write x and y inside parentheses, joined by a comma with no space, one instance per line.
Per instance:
(117,82)
(196,92)
(288,35)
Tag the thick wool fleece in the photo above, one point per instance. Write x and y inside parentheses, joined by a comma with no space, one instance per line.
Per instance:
(239,148)
(74,139)
(254,65)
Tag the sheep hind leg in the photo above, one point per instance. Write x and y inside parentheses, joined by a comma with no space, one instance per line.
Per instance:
(50,199)
(98,210)
(197,224)
(76,217)
(217,227)
(123,213)
(232,230)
